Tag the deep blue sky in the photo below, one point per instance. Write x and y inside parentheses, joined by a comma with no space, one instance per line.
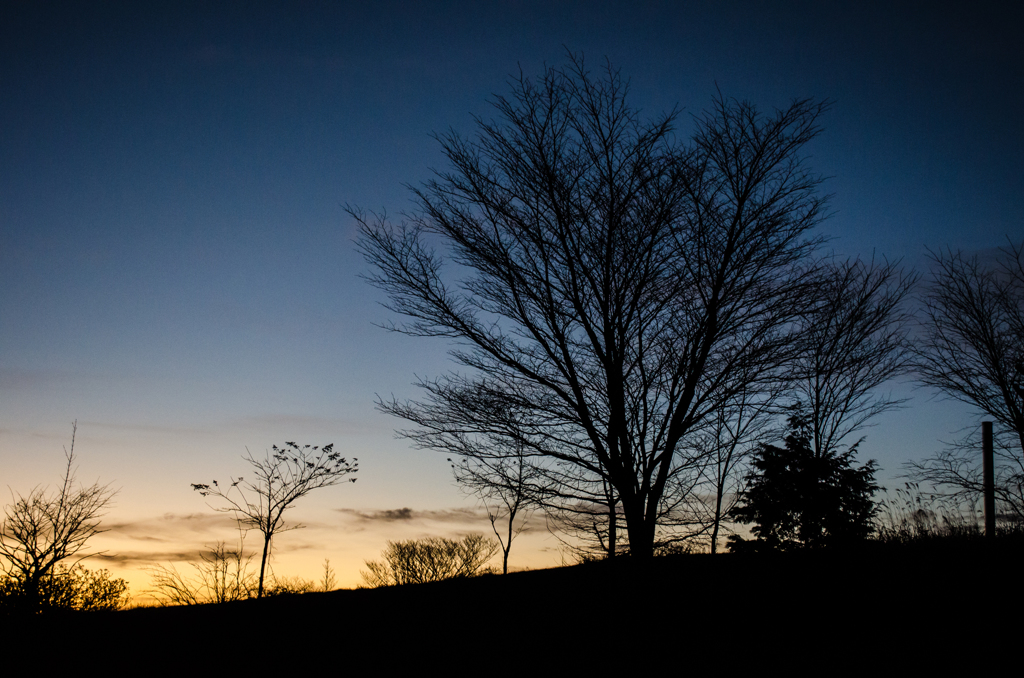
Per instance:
(177,273)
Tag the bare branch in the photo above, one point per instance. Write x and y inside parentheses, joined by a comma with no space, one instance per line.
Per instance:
(853,340)
(972,349)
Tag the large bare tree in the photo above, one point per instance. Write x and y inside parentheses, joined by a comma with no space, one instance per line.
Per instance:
(611,283)
(972,349)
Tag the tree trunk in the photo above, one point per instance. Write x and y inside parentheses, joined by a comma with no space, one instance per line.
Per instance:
(718,518)
(639,532)
(263,564)
(612,529)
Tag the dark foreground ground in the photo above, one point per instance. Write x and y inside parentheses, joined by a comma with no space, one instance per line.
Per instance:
(810,612)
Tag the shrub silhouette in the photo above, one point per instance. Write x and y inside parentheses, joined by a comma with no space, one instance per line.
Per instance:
(417,561)
(67,588)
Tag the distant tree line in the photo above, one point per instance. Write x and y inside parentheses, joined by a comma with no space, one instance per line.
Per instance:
(44,531)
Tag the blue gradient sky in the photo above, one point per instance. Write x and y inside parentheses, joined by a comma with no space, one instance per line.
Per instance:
(177,273)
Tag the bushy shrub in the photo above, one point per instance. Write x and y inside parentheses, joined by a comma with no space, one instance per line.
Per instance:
(280,586)
(74,588)
(417,561)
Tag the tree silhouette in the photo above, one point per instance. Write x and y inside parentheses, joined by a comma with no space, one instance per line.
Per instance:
(504,488)
(418,561)
(503,478)
(852,341)
(328,581)
(41,530)
(796,498)
(618,287)
(283,477)
(972,349)
(726,444)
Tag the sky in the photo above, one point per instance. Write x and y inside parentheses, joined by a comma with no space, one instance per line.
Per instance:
(178,273)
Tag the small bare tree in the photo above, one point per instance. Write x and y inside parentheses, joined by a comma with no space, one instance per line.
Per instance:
(283,477)
(972,349)
(853,340)
(726,445)
(501,474)
(328,581)
(42,529)
(586,529)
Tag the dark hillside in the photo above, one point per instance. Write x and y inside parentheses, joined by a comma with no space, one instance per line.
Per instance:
(723,606)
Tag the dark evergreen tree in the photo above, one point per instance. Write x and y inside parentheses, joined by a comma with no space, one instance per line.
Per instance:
(795,498)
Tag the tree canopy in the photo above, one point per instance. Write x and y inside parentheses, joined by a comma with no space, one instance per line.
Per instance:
(613,286)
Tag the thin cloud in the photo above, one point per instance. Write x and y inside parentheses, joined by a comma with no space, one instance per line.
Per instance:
(175,531)
(142,559)
(145,428)
(277,422)
(387,515)
(408,515)
(172,527)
